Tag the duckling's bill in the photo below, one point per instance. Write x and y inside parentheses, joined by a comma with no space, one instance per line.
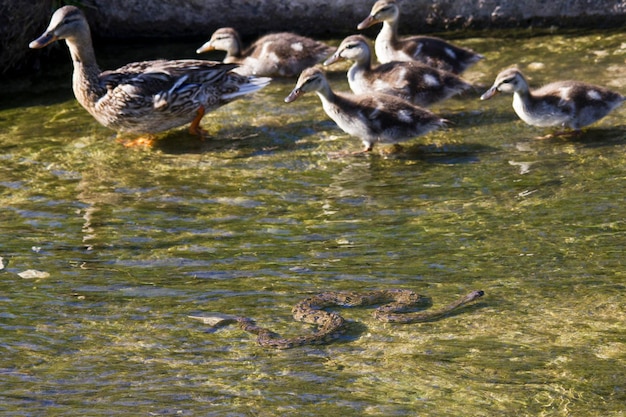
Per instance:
(44,40)
(207,47)
(334,58)
(490,93)
(293,96)
(367,22)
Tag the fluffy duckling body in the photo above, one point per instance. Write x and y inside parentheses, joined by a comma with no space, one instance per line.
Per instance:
(430,50)
(282,54)
(567,104)
(412,81)
(371,117)
(144,97)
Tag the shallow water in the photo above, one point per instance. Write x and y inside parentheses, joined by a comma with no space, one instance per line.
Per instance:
(253,220)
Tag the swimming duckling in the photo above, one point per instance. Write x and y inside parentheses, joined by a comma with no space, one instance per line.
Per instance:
(413,81)
(144,97)
(371,117)
(282,54)
(427,49)
(568,104)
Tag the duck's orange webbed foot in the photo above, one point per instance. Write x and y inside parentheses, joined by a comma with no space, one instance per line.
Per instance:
(146,140)
(195,128)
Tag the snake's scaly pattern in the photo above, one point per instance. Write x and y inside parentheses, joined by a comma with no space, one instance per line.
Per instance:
(395,302)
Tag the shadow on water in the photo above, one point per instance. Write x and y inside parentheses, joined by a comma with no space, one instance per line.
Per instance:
(249,141)
(447,154)
(596,137)
(477,118)
(246,140)
(246,144)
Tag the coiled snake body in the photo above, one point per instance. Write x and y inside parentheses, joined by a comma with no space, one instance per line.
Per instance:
(396,303)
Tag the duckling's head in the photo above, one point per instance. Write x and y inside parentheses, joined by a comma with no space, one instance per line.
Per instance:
(67,23)
(382,11)
(508,81)
(223,39)
(353,48)
(311,79)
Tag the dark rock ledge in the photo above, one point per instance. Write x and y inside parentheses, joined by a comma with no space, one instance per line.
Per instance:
(23,20)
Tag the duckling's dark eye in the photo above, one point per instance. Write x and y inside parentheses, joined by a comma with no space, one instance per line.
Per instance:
(508,80)
(351,46)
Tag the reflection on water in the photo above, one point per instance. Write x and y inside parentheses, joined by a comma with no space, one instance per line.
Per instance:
(258,217)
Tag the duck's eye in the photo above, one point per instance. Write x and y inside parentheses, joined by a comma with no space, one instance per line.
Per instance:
(508,80)
(351,46)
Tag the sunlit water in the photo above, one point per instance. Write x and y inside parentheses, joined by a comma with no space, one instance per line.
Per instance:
(133,241)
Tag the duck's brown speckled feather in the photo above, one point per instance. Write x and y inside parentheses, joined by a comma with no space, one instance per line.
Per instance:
(371,117)
(568,104)
(148,96)
(432,51)
(282,54)
(413,81)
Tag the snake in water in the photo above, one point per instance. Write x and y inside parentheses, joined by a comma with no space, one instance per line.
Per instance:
(395,308)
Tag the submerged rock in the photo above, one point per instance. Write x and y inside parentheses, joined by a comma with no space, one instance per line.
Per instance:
(33,274)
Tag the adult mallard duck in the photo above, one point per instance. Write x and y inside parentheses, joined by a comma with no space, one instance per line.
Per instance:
(413,81)
(427,49)
(371,117)
(567,104)
(281,54)
(144,97)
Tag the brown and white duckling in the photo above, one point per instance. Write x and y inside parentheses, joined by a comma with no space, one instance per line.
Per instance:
(371,117)
(427,49)
(413,81)
(282,54)
(567,104)
(144,97)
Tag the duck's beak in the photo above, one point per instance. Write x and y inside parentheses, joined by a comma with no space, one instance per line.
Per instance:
(46,39)
(490,93)
(293,96)
(334,58)
(369,21)
(205,48)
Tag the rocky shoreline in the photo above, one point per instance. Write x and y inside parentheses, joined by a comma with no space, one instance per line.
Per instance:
(23,20)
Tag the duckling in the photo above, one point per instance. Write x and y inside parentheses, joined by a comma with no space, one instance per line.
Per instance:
(427,49)
(371,117)
(282,54)
(413,81)
(144,97)
(568,104)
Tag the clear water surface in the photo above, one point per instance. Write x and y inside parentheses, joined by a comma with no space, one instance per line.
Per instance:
(130,242)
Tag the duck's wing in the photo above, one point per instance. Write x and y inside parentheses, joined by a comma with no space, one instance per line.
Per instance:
(388,114)
(439,53)
(149,78)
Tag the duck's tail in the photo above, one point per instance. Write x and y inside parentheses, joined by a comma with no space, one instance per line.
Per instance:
(253,84)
